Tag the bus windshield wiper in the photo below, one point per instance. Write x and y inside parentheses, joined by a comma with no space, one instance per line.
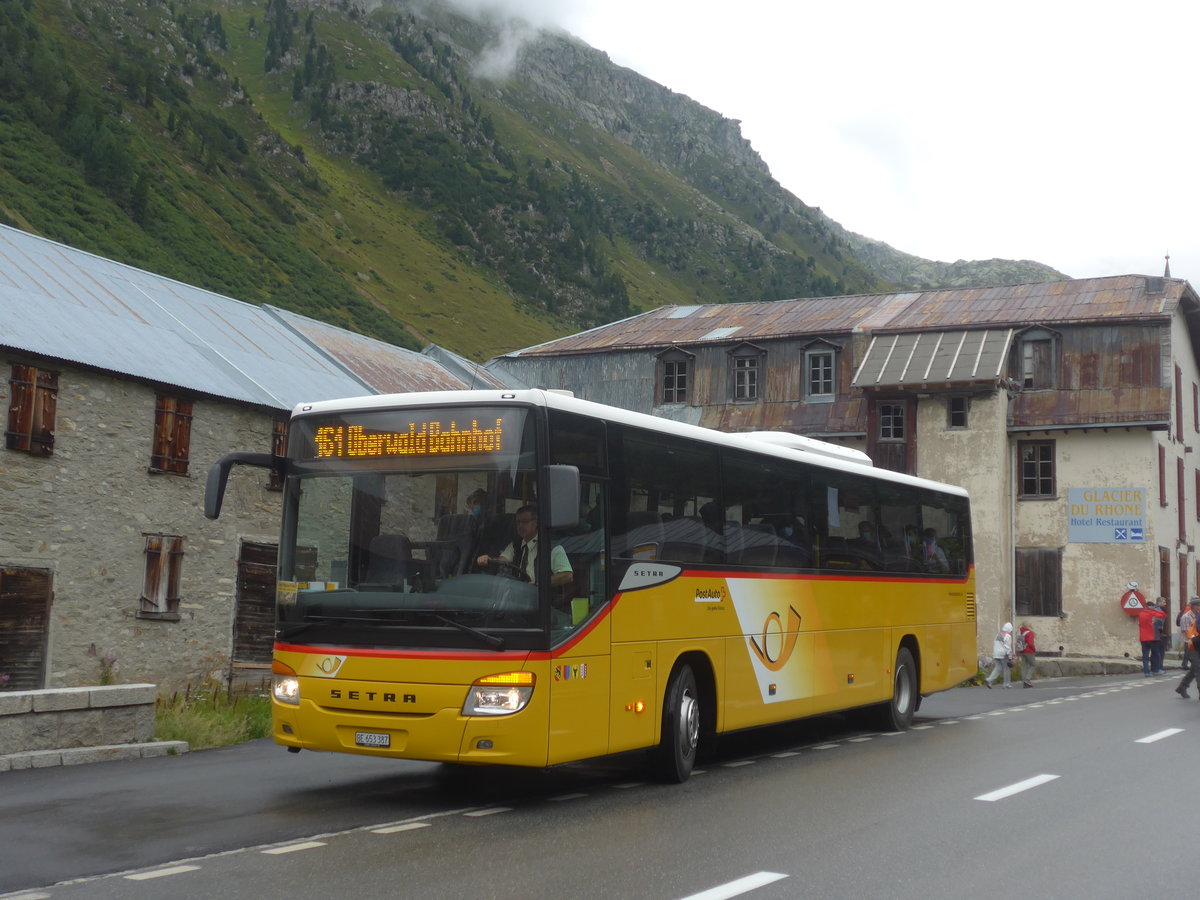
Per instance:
(490,639)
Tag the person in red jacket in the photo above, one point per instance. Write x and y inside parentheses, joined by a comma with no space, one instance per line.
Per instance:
(1148,635)
(1026,650)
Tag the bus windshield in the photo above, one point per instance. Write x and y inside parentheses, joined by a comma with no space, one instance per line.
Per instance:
(387,517)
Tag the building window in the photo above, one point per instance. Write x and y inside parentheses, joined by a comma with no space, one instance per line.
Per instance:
(745,378)
(160,592)
(891,421)
(676,373)
(279,429)
(1037,468)
(172,435)
(819,374)
(1039,581)
(33,399)
(745,370)
(956,412)
(1036,360)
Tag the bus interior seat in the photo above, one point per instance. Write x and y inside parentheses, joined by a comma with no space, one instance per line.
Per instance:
(498,532)
(390,560)
(760,545)
(456,534)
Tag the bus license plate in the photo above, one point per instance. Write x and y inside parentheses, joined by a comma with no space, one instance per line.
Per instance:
(371,739)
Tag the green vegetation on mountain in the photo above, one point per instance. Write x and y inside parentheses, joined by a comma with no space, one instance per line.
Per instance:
(354,166)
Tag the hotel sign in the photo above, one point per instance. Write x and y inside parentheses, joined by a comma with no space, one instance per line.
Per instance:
(1106,515)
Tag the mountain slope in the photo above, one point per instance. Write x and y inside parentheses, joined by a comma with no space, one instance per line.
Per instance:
(356,166)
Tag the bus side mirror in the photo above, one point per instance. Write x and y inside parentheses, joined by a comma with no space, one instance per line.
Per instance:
(564,496)
(218,476)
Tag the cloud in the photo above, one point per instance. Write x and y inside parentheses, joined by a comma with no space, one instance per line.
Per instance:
(516,23)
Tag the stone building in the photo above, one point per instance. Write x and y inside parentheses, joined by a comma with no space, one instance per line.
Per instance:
(120,389)
(1070,410)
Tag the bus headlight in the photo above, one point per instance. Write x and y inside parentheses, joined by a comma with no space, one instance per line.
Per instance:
(499,695)
(285,686)
(286,689)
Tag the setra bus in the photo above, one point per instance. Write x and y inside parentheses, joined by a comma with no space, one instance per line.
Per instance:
(697,582)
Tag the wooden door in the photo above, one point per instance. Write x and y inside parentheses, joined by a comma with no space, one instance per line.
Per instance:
(254,620)
(25,598)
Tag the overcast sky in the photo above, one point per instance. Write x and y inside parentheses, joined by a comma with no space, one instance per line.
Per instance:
(1063,132)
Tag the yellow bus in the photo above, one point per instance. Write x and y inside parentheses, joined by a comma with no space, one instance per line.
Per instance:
(696,582)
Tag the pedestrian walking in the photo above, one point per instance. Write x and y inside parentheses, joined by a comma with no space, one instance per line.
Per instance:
(1027,650)
(1148,635)
(1163,627)
(1188,621)
(1181,627)
(1002,657)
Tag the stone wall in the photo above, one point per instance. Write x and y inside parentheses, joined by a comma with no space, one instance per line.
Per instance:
(84,512)
(76,717)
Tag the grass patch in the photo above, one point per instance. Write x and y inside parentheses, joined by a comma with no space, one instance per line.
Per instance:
(211,716)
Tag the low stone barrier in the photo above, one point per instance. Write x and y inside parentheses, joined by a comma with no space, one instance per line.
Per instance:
(82,724)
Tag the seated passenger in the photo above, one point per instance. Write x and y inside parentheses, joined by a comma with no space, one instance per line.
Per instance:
(933,556)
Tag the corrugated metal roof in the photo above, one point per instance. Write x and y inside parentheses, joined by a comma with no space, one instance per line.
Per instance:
(385,368)
(472,374)
(1118,297)
(934,357)
(67,304)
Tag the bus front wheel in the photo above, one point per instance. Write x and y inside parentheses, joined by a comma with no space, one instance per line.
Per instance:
(897,713)
(672,760)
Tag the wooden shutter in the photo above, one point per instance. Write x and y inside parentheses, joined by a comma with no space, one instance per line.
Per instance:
(172,435)
(31,412)
(25,598)
(1039,581)
(164,565)
(279,434)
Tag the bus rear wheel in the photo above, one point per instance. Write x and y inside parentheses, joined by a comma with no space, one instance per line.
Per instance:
(897,714)
(675,756)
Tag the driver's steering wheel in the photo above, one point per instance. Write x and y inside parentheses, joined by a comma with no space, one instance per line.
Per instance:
(506,569)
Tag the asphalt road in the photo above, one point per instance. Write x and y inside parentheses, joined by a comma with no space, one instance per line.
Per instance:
(1072,788)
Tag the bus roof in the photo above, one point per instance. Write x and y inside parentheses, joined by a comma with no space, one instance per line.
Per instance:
(779,444)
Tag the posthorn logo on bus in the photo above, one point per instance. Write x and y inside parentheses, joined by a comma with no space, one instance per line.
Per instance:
(774,648)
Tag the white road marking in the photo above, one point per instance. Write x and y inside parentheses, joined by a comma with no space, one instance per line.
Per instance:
(785,754)
(292,848)
(1158,736)
(490,811)
(161,873)
(1017,788)
(738,762)
(561,797)
(737,888)
(395,829)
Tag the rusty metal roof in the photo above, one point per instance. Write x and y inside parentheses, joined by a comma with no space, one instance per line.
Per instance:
(385,368)
(1016,306)
(73,306)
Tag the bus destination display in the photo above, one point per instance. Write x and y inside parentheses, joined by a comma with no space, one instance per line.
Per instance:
(424,438)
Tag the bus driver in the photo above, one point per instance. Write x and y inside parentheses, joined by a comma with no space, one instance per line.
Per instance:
(522,552)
